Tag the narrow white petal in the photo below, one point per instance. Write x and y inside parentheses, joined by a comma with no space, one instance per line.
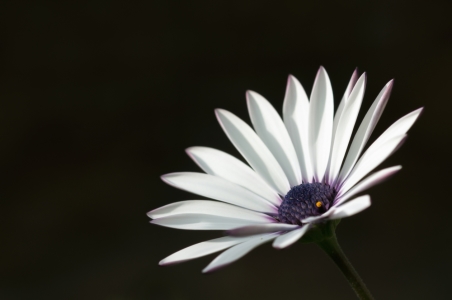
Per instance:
(399,128)
(219,189)
(350,208)
(317,218)
(321,123)
(296,119)
(365,130)
(345,127)
(221,164)
(207,207)
(273,133)
(370,160)
(237,252)
(340,108)
(258,229)
(253,150)
(201,222)
(202,249)
(368,182)
(291,237)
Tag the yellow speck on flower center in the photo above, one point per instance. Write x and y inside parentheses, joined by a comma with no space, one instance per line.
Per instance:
(318,204)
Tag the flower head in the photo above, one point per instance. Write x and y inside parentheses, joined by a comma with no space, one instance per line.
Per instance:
(299,177)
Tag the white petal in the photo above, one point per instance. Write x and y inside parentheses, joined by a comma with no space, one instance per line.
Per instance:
(296,119)
(207,207)
(291,237)
(350,208)
(201,222)
(219,189)
(253,150)
(368,182)
(365,130)
(344,100)
(258,229)
(345,127)
(369,162)
(221,164)
(237,252)
(273,133)
(202,249)
(399,128)
(317,218)
(321,123)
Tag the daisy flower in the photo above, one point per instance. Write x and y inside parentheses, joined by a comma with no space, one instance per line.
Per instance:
(300,179)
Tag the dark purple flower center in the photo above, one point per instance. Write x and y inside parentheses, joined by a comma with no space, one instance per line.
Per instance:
(306,200)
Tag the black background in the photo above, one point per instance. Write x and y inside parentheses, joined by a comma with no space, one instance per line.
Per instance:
(100,98)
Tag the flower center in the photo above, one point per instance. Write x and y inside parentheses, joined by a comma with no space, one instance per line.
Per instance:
(306,200)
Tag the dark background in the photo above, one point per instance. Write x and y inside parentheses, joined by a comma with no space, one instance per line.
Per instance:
(100,98)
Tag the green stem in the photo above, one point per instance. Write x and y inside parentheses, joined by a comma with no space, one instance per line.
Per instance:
(334,251)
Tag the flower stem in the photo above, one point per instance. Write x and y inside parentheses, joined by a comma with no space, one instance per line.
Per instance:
(334,251)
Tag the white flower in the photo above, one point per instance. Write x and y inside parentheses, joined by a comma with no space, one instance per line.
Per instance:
(298,176)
